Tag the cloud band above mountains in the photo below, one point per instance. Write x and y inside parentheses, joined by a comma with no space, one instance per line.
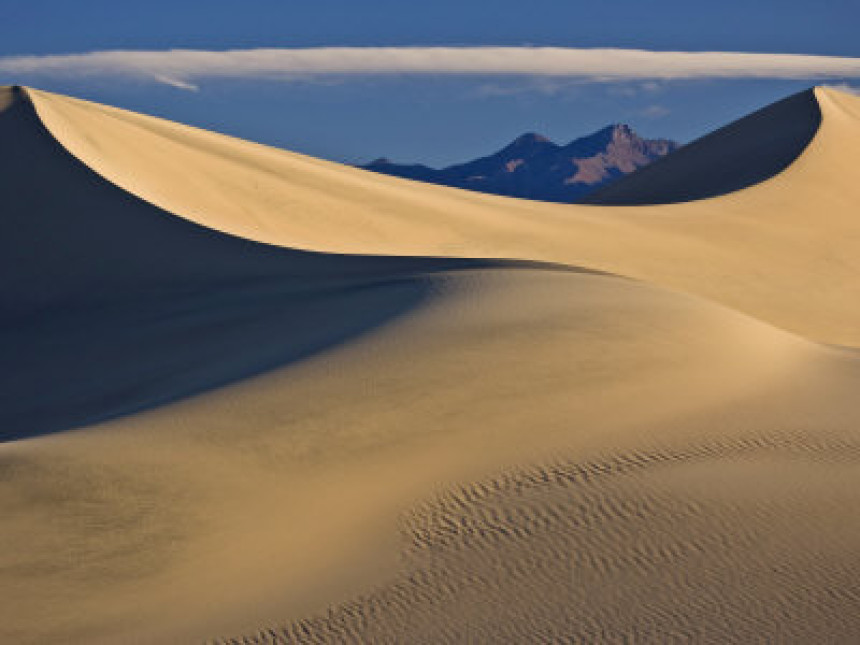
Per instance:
(182,68)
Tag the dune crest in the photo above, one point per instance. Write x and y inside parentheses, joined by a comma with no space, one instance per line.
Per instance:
(250,392)
(175,308)
(737,156)
(792,276)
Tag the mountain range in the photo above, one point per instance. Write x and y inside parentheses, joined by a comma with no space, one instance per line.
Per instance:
(533,167)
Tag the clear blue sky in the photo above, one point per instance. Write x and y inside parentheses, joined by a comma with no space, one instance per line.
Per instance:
(429,118)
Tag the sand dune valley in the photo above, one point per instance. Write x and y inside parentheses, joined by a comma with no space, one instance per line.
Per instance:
(251,396)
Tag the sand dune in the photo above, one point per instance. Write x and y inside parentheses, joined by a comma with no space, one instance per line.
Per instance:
(439,415)
(173,305)
(740,155)
(754,250)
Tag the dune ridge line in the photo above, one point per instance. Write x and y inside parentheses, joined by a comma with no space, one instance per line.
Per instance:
(251,392)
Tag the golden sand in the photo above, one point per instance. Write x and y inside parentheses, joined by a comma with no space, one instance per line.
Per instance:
(251,392)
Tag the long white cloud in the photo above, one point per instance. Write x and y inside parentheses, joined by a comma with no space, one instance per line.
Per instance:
(183,68)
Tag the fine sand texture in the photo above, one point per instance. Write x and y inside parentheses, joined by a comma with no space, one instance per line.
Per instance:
(253,397)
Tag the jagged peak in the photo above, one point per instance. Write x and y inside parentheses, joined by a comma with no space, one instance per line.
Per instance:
(615,131)
(528,143)
(622,130)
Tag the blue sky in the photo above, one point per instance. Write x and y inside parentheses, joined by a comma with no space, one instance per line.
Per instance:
(435,118)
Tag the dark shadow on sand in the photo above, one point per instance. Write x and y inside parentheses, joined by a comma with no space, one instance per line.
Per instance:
(739,155)
(110,305)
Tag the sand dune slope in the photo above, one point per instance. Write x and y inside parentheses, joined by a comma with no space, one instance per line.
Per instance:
(173,305)
(768,250)
(417,449)
(737,156)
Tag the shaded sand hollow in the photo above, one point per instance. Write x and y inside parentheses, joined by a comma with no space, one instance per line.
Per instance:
(251,396)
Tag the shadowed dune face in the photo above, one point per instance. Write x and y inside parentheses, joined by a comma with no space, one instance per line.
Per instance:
(431,448)
(112,305)
(272,499)
(70,237)
(116,357)
(737,156)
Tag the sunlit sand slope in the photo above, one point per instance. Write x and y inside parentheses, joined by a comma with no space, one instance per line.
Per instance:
(768,250)
(417,449)
(111,305)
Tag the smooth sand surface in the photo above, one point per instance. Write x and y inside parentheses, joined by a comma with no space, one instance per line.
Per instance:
(757,250)
(218,426)
(742,154)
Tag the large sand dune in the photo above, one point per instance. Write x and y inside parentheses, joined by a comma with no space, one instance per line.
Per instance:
(740,155)
(251,392)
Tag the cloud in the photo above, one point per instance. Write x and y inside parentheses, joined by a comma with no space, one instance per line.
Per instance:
(530,86)
(656,111)
(627,89)
(175,82)
(184,68)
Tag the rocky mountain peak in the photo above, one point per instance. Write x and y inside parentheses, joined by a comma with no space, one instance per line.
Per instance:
(533,167)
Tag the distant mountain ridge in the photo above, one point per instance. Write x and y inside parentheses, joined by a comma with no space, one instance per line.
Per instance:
(533,167)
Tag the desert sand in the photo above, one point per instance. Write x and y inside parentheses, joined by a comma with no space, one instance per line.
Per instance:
(252,396)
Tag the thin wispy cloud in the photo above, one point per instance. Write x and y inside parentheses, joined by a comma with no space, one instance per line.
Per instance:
(186,68)
(656,111)
(175,82)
